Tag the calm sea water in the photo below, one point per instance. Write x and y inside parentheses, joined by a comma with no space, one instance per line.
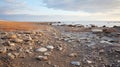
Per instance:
(87,23)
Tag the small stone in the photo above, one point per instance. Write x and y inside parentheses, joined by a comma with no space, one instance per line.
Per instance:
(118,61)
(13,36)
(77,63)
(49,62)
(11,56)
(105,42)
(101,51)
(42,49)
(73,55)
(29,38)
(50,47)
(3,49)
(47,53)
(92,25)
(30,48)
(118,33)
(16,54)
(88,61)
(22,55)
(18,40)
(97,30)
(28,51)
(42,58)
(10,44)
(109,30)
(60,48)
(55,66)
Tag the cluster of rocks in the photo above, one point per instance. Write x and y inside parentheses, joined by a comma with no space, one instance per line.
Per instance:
(97,46)
(47,52)
(27,44)
(15,42)
(97,38)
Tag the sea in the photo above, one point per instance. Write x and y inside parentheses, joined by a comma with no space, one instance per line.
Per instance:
(88,23)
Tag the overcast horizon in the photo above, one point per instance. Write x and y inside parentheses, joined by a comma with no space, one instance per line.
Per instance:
(60,10)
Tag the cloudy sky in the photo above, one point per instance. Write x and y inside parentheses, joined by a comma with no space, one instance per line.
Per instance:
(60,10)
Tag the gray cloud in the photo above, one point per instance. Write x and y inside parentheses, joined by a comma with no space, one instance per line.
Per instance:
(84,5)
(11,6)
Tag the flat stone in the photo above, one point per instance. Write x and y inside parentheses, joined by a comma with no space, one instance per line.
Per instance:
(13,36)
(42,49)
(73,55)
(42,58)
(18,40)
(118,61)
(47,53)
(50,47)
(105,42)
(12,44)
(77,63)
(106,38)
(97,30)
(88,61)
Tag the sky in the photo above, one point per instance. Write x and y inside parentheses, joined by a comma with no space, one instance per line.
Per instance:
(60,10)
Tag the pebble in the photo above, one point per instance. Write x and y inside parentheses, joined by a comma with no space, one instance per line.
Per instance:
(118,61)
(11,56)
(47,53)
(42,49)
(3,49)
(49,62)
(29,38)
(101,51)
(13,36)
(105,42)
(55,66)
(16,54)
(50,47)
(73,55)
(60,48)
(42,58)
(11,44)
(18,40)
(88,61)
(77,63)
(22,55)
(28,51)
(97,30)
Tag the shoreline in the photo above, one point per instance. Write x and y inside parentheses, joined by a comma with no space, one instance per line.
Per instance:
(47,45)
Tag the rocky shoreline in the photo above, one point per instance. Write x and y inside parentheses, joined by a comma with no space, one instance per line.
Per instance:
(61,46)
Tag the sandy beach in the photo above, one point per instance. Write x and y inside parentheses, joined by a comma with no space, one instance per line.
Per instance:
(29,44)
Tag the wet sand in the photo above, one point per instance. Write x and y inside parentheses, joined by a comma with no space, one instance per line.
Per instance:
(45,45)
